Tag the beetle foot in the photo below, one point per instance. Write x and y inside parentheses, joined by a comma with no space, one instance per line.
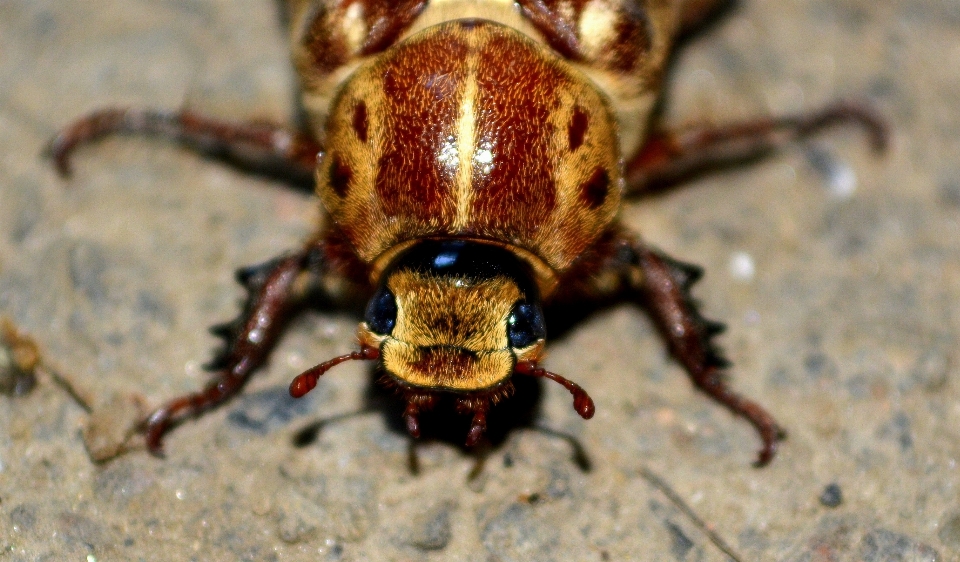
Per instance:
(179,409)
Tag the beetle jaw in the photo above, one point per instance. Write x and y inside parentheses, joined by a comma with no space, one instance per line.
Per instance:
(421,375)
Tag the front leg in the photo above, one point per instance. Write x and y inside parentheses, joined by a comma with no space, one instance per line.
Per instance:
(663,285)
(276,288)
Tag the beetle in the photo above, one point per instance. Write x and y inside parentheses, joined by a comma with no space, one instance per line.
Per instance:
(470,158)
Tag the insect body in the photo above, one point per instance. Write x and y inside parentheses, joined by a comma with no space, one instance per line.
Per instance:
(471,156)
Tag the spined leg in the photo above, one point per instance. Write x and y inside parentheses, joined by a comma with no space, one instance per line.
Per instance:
(257,145)
(668,158)
(665,284)
(275,288)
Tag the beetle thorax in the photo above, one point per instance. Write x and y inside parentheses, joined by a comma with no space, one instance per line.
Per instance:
(470,129)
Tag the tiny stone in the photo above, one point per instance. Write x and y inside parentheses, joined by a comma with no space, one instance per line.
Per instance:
(832,495)
(19,358)
(840,177)
(742,267)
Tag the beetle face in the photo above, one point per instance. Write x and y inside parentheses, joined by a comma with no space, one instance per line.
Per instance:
(454,316)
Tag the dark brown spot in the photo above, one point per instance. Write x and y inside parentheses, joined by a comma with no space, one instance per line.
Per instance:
(593,192)
(360,120)
(340,175)
(578,128)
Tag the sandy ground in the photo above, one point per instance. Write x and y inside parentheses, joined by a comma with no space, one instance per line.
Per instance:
(838,273)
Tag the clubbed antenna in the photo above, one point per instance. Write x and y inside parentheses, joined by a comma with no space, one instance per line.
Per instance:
(306,381)
(582,402)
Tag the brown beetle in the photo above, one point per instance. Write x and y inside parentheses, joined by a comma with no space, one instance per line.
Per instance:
(470,156)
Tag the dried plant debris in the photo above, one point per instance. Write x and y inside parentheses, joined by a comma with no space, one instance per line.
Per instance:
(112,420)
(112,425)
(19,358)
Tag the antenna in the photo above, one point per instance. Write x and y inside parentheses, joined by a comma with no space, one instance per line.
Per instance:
(582,402)
(307,380)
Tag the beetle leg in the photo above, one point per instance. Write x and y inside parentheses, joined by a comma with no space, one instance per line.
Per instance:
(275,288)
(389,20)
(260,146)
(668,158)
(664,284)
(556,29)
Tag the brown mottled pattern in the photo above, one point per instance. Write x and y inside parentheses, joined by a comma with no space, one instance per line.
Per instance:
(340,176)
(594,191)
(517,92)
(534,133)
(559,32)
(423,82)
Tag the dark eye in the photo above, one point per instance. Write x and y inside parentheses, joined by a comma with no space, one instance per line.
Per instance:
(381,312)
(525,325)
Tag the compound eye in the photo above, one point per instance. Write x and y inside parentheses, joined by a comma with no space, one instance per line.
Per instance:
(525,325)
(381,315)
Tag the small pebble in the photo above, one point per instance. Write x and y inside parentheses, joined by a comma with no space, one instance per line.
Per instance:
(840,176)
(831,496)
(741,266)
(19,358)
